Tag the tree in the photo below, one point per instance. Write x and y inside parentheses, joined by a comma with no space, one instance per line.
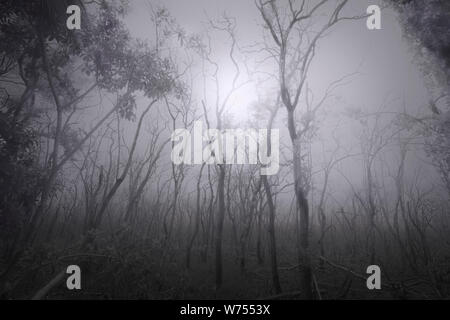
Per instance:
(220,102)
(294,51)
(48,61)
(426,25)
(271,206)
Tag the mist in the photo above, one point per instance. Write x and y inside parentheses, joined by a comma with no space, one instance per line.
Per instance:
(97,173)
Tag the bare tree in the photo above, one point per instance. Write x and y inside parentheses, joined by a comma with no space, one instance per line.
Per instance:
(226,25)
(295,48)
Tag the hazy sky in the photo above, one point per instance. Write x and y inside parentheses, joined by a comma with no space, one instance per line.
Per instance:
(382,58)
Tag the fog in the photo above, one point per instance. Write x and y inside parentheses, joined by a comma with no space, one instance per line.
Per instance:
(92,180)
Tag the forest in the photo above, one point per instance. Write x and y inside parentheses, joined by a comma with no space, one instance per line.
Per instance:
(342,149)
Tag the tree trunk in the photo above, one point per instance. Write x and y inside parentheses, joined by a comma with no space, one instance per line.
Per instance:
(272,239)
(302,205)
(220,218)
(196,221)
